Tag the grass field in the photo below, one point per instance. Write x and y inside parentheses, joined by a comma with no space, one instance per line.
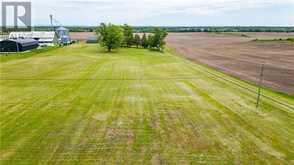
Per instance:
(80,105)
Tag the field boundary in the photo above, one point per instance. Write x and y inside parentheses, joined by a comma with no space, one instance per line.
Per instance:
(214,75)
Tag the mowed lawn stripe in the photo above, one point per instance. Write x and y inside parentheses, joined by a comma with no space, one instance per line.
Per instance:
(81,105)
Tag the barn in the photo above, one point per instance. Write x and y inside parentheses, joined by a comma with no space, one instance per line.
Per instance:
(18,45)
(44,38)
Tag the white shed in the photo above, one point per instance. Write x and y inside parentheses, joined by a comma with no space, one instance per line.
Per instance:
(44,38)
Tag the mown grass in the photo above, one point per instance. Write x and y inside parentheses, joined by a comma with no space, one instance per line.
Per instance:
(80,105)
(4,57)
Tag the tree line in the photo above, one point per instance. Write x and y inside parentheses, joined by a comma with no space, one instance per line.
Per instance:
(113,36)
(148,29)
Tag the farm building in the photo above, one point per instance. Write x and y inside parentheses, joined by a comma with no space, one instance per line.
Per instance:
(18,45)
(92,40)
(3,37)
(63,35)
(44,38)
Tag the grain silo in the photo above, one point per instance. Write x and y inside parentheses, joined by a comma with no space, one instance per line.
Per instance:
(63,35)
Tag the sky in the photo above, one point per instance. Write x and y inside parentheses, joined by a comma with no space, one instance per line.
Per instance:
(165,12)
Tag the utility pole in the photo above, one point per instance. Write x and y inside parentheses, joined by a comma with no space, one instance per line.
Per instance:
(260,84)
(51,22)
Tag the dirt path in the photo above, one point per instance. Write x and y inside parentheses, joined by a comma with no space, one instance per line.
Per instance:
(240,56)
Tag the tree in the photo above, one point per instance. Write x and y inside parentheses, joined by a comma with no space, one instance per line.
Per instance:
(144,41)
(128,36)
(157,39)
(110,36)
(149,41)
(137,40)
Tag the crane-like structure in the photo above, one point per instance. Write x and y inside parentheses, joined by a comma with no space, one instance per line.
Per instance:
(53,22)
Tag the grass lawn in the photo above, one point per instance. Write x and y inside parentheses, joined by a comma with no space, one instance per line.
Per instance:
(80,105)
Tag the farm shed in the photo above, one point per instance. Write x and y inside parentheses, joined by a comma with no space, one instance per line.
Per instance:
(92,40)
(44,38)
(18,45)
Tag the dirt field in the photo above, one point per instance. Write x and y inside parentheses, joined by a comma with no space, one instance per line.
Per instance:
(81,35)
(241,56)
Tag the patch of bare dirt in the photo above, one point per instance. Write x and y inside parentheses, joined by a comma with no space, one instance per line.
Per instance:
(81,36)
(241,56)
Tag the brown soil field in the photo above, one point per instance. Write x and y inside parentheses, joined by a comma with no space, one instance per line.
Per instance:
(239,55)
(81,36)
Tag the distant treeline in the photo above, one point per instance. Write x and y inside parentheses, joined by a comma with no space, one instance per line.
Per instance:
(183,29)
(220,29)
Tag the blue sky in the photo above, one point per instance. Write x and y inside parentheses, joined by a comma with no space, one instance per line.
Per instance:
(166,12)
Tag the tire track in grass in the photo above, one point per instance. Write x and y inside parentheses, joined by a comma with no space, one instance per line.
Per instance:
(248,108)
(147,91)
(91,143)
(218,76)
(91,131)
(209,124)
(248,128)
(76,142)
(22,119)
(166,117)
(109,130)
(95,87)
(188,117)
(56,95)
(150,135)
(36,103)
(208,77)
(134,115)
(263,116)
(68,115)
(116,135)
(221,135)
(165,132)
(174,128)
(38,98)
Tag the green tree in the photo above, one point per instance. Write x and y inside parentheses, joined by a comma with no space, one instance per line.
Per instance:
(110,36)
(158,39)
(128,36)
(137,40)
(144,41)
(149,41)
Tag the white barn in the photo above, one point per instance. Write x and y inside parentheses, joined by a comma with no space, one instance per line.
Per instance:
(44,38)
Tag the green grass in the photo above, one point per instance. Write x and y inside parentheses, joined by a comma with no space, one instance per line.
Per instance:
(80,105)
(4,57)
